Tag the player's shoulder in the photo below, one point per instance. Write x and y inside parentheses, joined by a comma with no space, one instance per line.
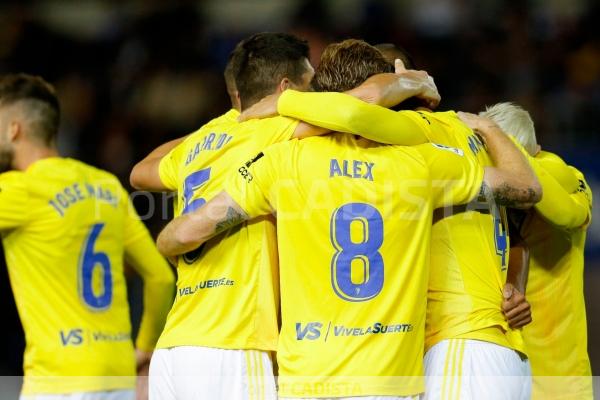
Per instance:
(13,180)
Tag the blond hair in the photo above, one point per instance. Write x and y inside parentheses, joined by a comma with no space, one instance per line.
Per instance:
(514,121)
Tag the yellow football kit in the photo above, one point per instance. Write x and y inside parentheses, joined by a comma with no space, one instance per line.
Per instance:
(469,251)
(557,338)
(227,292)
(66,228)
(353,227)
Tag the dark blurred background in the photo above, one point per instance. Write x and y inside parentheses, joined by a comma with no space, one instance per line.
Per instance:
(133,74)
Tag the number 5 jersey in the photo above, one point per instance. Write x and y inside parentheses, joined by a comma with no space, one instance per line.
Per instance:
(353,230)
(227,293)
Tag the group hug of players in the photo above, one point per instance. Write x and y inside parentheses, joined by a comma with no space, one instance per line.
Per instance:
(349,230)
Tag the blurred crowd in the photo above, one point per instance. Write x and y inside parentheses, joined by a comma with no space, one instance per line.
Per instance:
(133,74)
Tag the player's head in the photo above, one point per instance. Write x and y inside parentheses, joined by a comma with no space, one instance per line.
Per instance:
(29,115)
(391,52)
(270,62)
(230,73)
(346,65)
(515,121)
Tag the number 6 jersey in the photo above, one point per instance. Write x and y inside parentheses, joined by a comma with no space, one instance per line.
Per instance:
(66,227)
(353,227)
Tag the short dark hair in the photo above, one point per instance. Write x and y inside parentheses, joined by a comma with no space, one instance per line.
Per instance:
(345,65)
(39,97)
(392,51)
(264,60)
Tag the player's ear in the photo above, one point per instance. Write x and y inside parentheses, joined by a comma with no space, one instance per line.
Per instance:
(15,130)
(284,85)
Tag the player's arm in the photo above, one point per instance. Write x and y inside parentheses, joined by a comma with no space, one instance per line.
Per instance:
(515,307)
(558,206)
(248,193)
(190,231)
(348,113)
(511,182)
(159,283)
(145,174)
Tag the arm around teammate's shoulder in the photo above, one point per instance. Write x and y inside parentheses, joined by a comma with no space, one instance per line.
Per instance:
(145,175)
(511,181)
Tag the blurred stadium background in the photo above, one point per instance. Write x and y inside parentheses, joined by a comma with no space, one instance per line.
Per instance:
(133,74)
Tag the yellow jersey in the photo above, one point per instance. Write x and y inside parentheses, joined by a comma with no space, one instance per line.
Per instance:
(227,293)
(470,246)
(353,227)
(469,257)
(66,227)
(556,339)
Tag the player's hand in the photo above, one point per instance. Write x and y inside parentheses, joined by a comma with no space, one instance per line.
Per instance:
(515,307)
(142,361)
(426,90)
(477,123)
(265,108)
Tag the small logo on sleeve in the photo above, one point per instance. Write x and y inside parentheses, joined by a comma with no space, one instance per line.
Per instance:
(454,150)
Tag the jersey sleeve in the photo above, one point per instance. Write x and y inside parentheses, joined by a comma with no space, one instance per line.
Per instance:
(254,185)
(558,206)
(169,166)
(142,254)
(14,200)
(343,113)
(456,177)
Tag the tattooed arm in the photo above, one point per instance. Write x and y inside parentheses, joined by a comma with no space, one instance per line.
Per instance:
(190,231)
(511,181)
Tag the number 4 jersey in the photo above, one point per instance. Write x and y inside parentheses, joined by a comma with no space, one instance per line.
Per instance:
(353,227)
(65,228)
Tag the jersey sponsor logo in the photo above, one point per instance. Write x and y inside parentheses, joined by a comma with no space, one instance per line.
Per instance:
(313,330)
(208,284)
(310,331)
(454,150)
(77,336)
(212,141)
(73,337)
(354,169)
(378,327)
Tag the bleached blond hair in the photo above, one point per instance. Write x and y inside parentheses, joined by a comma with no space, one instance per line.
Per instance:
(514,121)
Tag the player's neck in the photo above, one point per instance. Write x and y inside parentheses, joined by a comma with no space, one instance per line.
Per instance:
(23,159)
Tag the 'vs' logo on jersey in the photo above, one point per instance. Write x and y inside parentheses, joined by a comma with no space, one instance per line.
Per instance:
(73,337)
(311,331)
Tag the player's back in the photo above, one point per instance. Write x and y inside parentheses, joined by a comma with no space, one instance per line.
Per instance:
(559,361)
(235,274)
(65,262)
(469,256)
(353,225)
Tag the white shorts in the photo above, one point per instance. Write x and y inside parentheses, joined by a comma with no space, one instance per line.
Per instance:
(473,370)
(108,395)
(196,373)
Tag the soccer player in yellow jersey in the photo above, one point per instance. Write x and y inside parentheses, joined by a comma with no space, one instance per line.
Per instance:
(353,227)
(469,260)
(224,353)
(554,231)
(67,230)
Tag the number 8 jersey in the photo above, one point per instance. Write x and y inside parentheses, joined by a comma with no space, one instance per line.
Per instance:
(65,228)
(353,227)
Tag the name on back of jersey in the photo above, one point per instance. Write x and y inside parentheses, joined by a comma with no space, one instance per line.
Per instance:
(212,141)
(351,169)
(81,191)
